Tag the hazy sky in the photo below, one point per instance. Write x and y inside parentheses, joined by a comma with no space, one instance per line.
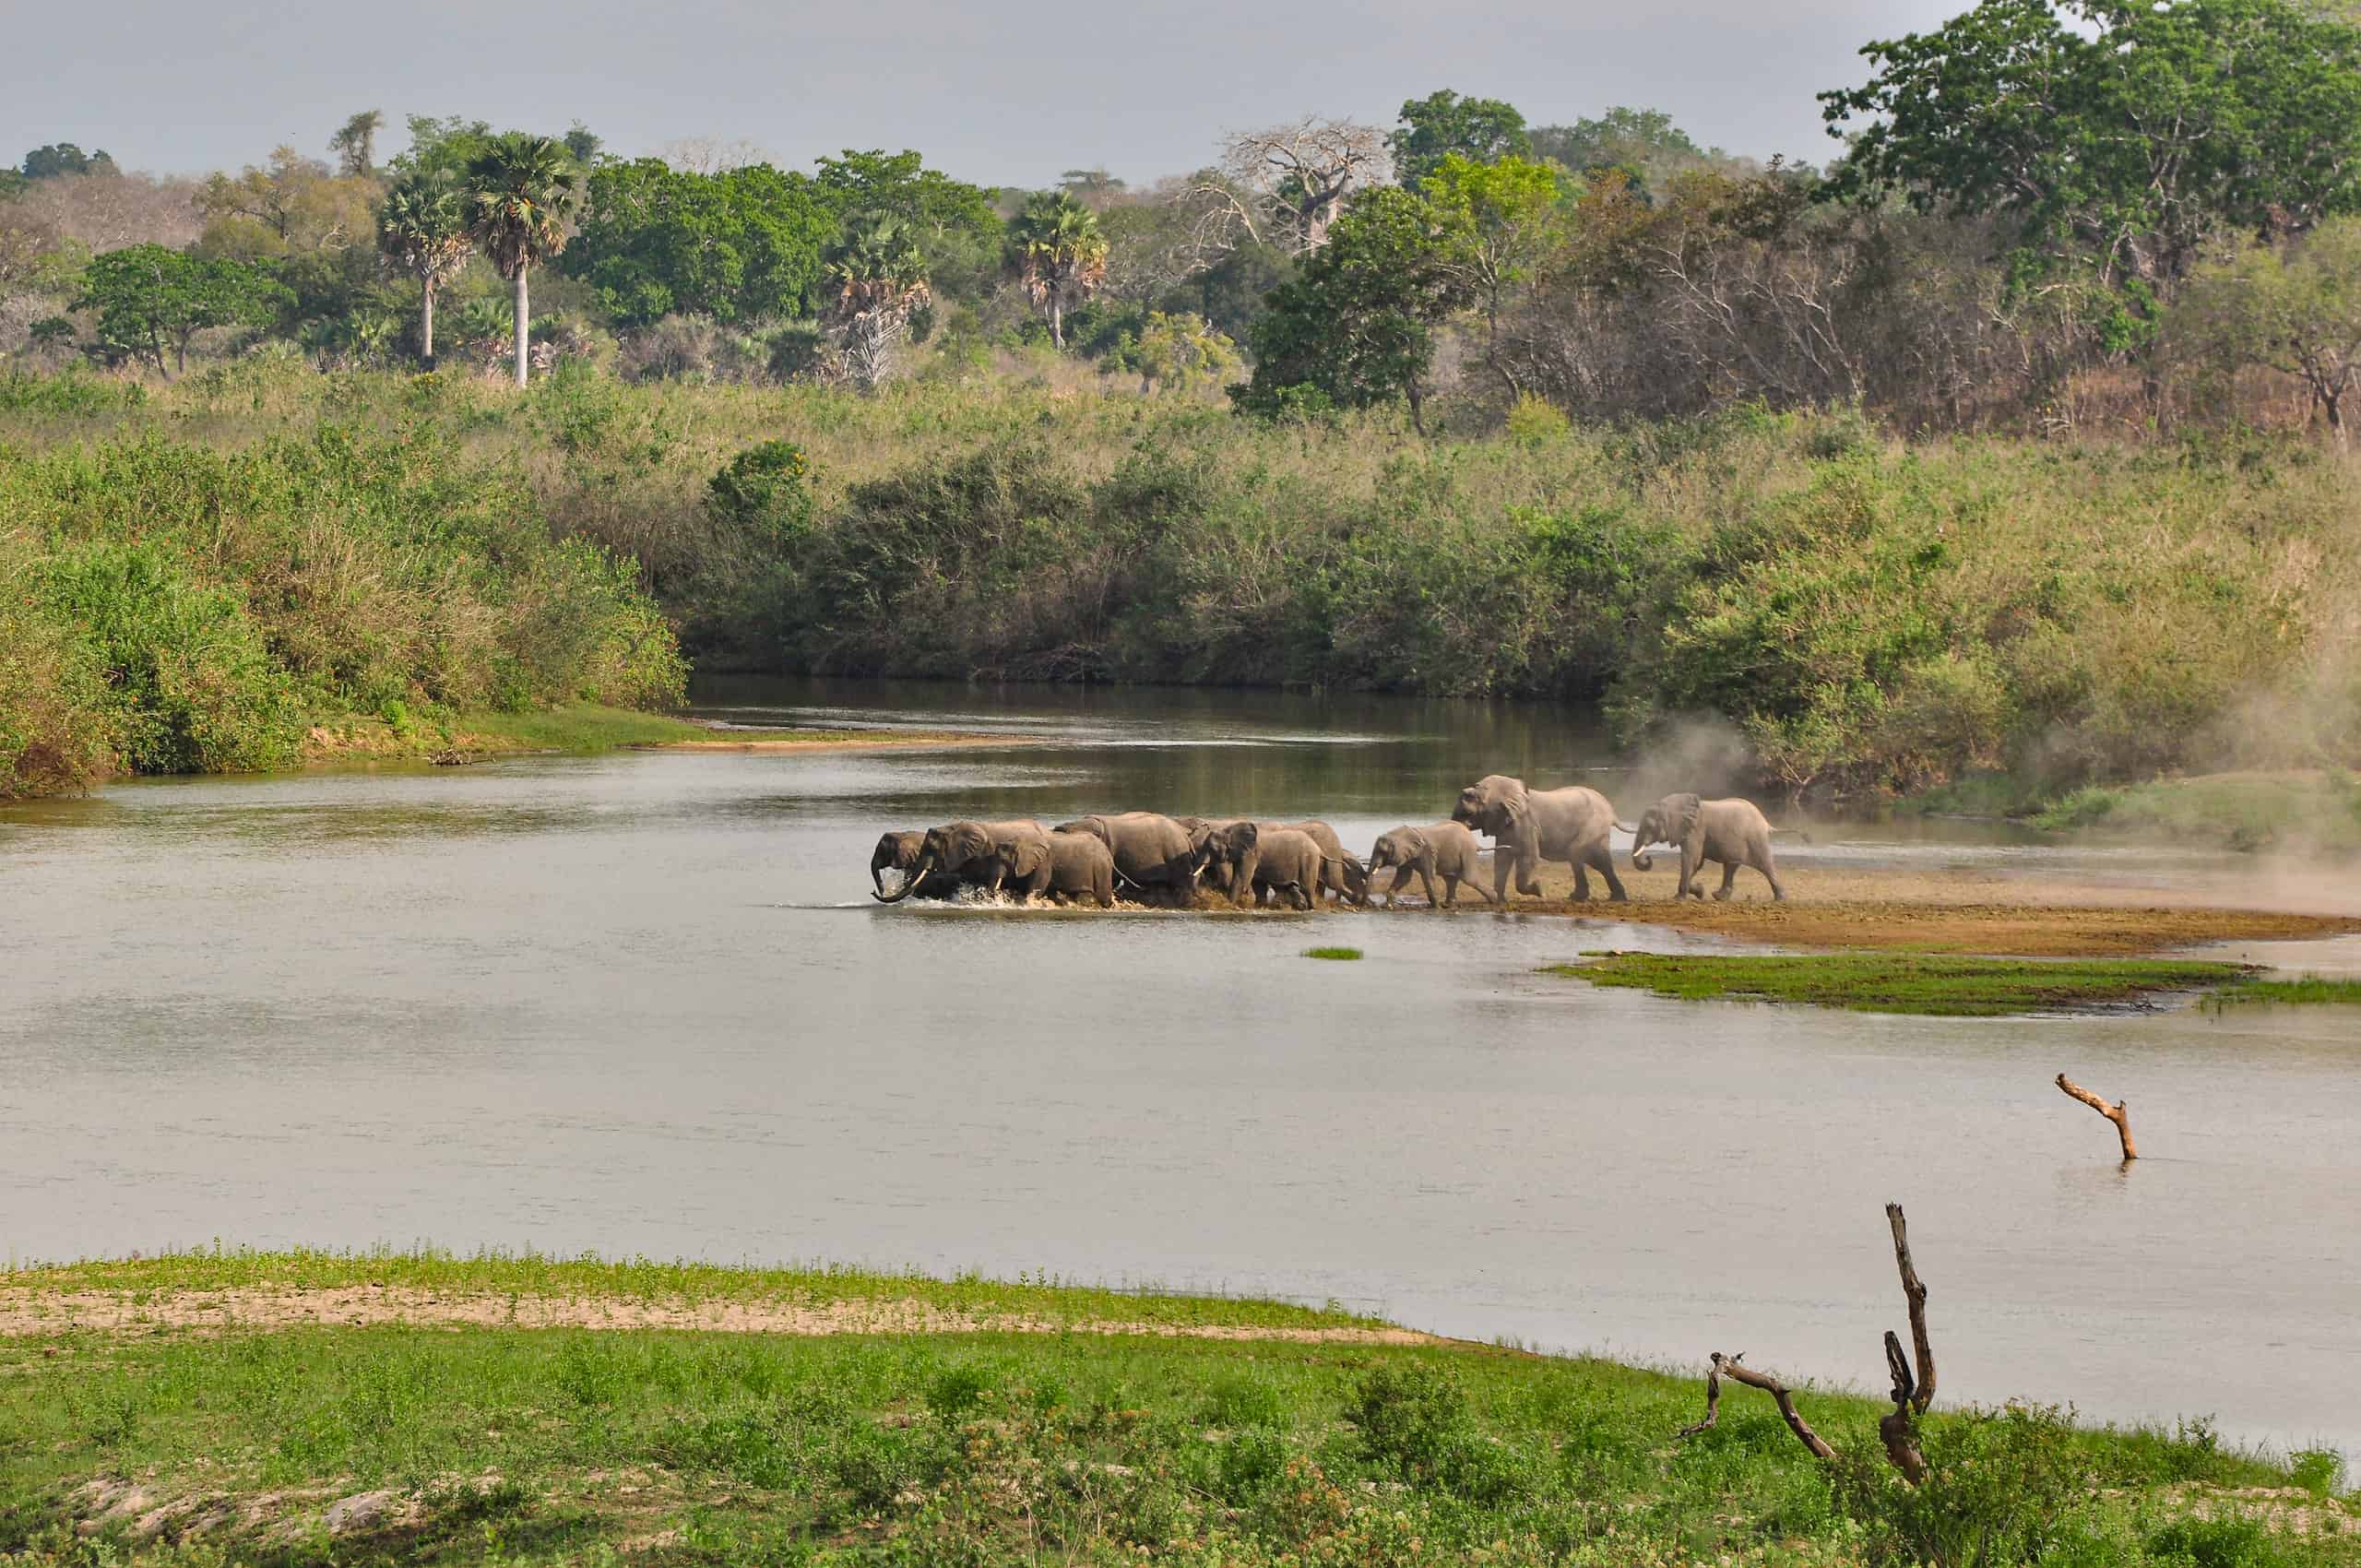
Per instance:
(990,90)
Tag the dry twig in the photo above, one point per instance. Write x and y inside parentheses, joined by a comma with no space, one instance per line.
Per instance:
(1728,1366)
(2115,1114)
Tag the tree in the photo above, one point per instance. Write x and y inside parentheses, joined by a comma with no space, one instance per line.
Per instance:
(1284,186)
(290,205)
(1509,219)
(2116,133)
(448,144)
(64,158)
(879,274)
(1356,325)
(148,297)
(1443,124)
(587,145)
(658,241)
(422,228)
(1057,255)
(522,190)
(1180,353)
(1094,187)
(355,144)
(1642,143)
(954,222)
(2297,309)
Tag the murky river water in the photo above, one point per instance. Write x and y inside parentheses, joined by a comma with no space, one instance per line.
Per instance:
(641,1003)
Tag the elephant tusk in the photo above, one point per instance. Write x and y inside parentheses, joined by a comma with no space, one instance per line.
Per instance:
(909,882)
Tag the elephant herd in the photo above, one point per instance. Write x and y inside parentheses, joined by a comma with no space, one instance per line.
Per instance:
(1171,859)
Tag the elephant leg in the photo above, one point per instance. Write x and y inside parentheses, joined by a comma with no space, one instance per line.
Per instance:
(1729,880)
(1427,881)
(1503,863)
(1582,882)
(1602,859)
(1528,874)
(1449,891)
(1690,866)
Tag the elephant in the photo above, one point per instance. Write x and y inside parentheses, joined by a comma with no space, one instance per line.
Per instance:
(966,852)
(1531,826)
(1230,851)
(1226,853)
(899,851)
(1445,849)
(1288,862)
(1732,832)
(1070,865)
(1152,853)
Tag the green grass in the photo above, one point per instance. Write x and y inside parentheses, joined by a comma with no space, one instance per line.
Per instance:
(523,1446)
(593,1279)
(2310,990)
(1934,984)
(2316,812)
(1339,954)
(581,727)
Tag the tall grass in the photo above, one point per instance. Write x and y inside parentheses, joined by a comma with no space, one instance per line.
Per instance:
(1865,615)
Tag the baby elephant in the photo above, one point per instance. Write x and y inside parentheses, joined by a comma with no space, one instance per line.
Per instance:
(1447,850)
(1290,862)
(1732,832)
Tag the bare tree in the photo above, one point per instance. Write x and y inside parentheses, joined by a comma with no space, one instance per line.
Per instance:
(1285,184)
(711,155)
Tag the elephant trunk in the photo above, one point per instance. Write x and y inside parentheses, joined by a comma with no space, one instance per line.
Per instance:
(909,883)
(1640,858)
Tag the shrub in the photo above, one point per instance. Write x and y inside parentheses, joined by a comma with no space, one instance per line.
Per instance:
(2002,1486)
(57,726)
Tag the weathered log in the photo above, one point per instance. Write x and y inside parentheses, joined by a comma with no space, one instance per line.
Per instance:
(2115,1113)
(1900,1430)
(1728,1366)
(1914,1289)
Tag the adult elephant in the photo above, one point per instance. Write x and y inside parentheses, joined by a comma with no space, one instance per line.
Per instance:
(1231,851)
(899,852)
(1531,826)
(1732,832)
(1289,862)
(1446,849)
(966,853)
(1073,866)
(1151,851)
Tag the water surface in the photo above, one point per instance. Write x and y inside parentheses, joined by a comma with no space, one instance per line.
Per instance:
(641,1003)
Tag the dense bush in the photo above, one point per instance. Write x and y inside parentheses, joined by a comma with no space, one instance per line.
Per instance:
(184,609)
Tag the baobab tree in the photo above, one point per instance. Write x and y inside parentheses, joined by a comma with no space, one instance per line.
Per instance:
(1285,184)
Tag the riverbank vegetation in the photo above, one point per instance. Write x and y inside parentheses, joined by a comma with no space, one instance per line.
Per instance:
(506,1443)
(2009,446)
(1936,985)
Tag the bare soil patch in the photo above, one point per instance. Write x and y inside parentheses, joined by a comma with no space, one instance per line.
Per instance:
(25,1313)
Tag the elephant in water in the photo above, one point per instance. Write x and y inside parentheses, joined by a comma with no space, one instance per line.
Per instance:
(1152,853)
(965,853)
(1073,866)
(1231,851)
(1531,826)
(1732,832)
(1446,849)
(899,851)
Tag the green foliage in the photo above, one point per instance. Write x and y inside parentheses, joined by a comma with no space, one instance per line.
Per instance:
(1357,323)
(225,603)
(1057,255)
(744,580)
(522,192)
(1443,124)
(64,158)
(1641,144)
(1939,985)
(2113,131)
(656,241)
(149,298)
(2297,309)
(2003,1489)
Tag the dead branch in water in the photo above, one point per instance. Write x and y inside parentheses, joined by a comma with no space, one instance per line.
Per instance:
(2115,1114)
(1728,1366)
(1914,1390)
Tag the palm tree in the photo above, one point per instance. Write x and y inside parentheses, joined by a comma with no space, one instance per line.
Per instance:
(521,190)
(879,274)
(1056,251)
(423,229)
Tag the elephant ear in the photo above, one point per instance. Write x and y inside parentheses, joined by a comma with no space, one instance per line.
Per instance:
(1024,855)
(1201,832)
(1244,837)
(1681,816)
(1516,811)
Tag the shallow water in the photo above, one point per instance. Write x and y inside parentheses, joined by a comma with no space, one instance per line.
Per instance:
(642,1003)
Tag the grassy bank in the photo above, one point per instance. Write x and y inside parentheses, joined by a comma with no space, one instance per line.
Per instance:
(167,606)
(2312,810)
(1940,985)
(1831,610)
(405,1444)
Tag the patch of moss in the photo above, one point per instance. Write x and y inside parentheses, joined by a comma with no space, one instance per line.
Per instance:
(1940,985)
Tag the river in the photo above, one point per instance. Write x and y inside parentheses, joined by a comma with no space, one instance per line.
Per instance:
(641,1003)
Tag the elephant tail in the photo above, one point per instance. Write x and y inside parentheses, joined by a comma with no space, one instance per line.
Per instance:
(1631,828)
(1791,833)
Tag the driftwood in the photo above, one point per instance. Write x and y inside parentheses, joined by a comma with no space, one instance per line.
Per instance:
(1914,1388)
(2115,1114)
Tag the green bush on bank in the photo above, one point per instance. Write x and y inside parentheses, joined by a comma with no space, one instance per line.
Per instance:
(1863,616)
(178,608)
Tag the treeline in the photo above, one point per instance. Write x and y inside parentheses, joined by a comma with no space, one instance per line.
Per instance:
(165,607)
(1866,616)
(2045,214)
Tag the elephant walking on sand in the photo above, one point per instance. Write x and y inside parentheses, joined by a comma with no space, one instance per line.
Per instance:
(1732,832)
(958,854)
(1290,862)
(1229,852)
(1446,849)
(1531,826)
(1151,852)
